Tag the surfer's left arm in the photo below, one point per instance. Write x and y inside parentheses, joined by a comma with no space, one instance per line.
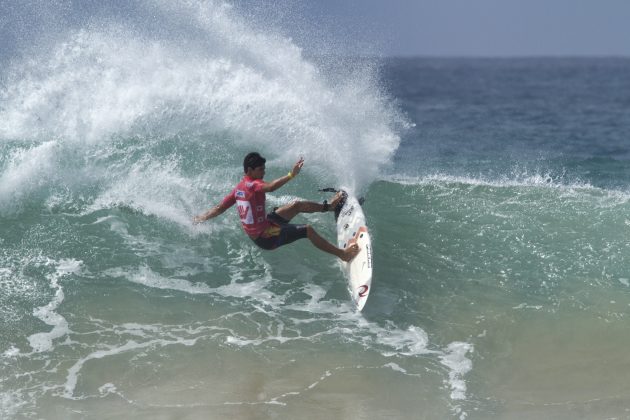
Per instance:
(277,183)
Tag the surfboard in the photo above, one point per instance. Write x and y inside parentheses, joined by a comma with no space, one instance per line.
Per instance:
(352,228)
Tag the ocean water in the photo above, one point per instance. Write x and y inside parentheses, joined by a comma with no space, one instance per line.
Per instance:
(497,194)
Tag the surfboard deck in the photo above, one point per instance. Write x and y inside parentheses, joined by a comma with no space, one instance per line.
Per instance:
(352,228)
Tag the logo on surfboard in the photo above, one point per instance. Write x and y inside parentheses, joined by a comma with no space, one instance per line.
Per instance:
(348,212)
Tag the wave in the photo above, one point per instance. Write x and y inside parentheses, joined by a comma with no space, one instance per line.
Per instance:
(188,92)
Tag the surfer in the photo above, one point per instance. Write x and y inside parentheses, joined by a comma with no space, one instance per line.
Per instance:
(270,231)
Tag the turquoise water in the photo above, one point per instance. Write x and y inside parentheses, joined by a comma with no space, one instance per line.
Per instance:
(496,194)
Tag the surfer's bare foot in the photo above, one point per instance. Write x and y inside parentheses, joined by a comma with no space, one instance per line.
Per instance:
(336,200)
(350,252)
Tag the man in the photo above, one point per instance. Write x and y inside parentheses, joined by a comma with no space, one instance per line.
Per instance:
(270,231)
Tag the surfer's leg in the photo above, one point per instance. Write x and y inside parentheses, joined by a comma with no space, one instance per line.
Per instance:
(291,210)
(321,243)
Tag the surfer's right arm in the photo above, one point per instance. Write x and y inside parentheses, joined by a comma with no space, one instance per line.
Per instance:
(217,210)
(213,212)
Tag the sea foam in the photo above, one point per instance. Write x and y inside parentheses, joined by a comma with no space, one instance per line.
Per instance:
(113,97)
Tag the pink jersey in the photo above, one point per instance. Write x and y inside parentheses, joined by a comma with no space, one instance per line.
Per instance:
(250,200)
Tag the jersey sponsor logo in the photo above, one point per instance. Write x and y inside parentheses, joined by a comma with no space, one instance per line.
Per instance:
(245,212)
(240,194)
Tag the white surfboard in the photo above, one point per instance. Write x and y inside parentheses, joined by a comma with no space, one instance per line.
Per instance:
(351,228)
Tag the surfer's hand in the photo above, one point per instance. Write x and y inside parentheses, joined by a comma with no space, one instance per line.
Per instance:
(297,166)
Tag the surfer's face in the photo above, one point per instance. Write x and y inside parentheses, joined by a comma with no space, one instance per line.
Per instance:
(257,173)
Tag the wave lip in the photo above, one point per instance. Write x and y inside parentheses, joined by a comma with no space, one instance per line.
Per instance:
(517,180)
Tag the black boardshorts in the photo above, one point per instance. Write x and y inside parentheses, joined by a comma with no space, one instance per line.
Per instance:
(279,233)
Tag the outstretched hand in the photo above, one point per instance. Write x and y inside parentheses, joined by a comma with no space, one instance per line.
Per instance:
(297,167)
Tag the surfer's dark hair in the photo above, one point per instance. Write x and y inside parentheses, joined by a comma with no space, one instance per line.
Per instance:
(253,160)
